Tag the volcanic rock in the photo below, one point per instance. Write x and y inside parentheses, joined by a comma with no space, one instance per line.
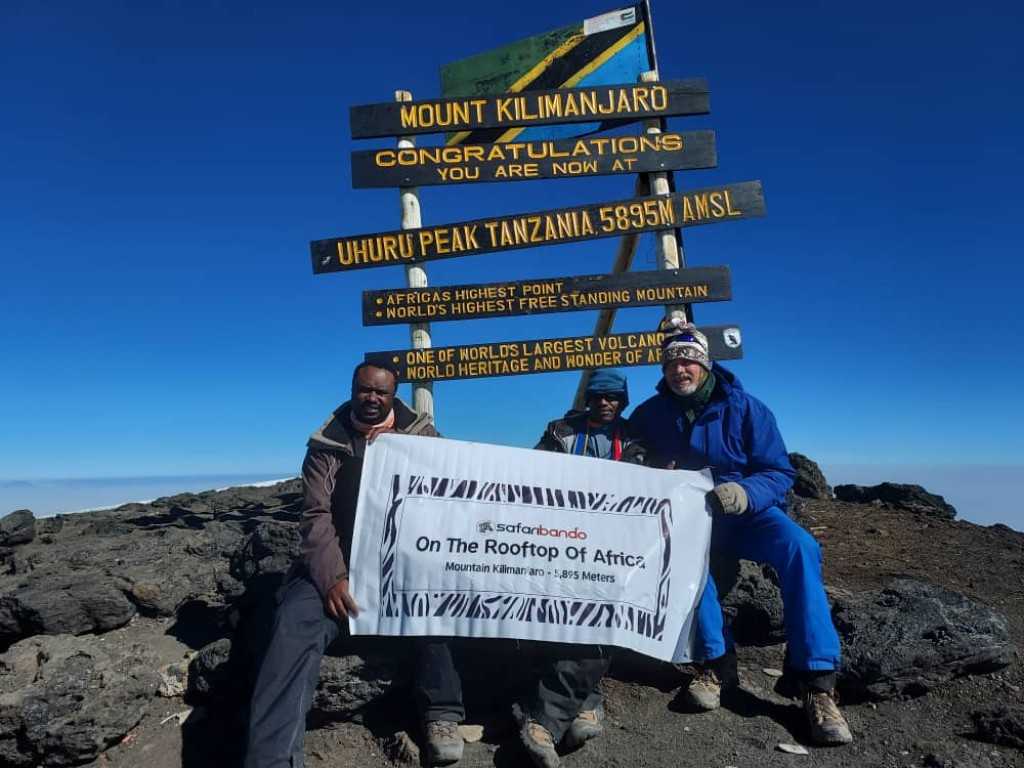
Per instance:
(71,604)
(270,549)
(810,481)
(64,699)
(1000,725)
(19,527)
(912,636)
(211,672)
(912,498)
(750,597)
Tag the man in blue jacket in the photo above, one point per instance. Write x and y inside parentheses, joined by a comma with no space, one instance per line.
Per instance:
(702,417)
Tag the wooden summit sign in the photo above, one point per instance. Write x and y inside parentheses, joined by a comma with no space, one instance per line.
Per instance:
(531,108)
(511,358)
(519,160)
(565,225)
(556,294)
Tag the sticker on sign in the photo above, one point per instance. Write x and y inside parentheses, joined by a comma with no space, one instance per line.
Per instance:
(612,20)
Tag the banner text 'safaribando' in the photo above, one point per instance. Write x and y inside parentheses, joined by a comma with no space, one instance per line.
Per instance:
(574,353)
(558,294)
(712,205)
(529,108)
(525,160)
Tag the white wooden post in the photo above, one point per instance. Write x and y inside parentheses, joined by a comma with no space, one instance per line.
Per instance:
(668,244)
(668,248)
(606,317)
(415,277)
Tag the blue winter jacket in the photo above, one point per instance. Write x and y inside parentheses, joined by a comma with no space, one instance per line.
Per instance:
(736,436)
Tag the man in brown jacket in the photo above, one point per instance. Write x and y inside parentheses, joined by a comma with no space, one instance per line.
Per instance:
(315,601)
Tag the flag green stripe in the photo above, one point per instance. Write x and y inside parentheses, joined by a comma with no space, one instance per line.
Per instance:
(495,70)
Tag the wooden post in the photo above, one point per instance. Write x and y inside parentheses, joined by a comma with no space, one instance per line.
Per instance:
(415,277)
(668,248)
(669,242)
(606,317)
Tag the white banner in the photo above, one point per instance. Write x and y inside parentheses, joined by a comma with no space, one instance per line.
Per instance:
(476,540)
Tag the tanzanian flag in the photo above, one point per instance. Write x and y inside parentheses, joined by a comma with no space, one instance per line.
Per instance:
(609,49)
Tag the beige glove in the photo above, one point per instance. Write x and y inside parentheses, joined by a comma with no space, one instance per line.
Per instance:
(728,499)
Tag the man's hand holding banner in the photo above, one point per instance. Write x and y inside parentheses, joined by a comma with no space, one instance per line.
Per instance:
(474,540)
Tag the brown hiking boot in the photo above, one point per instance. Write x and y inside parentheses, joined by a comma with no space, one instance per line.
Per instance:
(705,690)
(828,726)
(539,744)
(586,726)
(444,743)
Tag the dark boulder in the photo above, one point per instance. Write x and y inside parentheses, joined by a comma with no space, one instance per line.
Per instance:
(1002,725)
(912,636)
(65,699)
(84,602)
(750,598)
(912,498)
(270,549)
(810,482)
(19,527)
(348,683)
(212,673)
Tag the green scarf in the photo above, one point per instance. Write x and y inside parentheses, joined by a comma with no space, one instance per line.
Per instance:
(693,405)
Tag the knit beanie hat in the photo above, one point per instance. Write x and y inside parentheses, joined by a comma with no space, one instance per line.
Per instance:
(683,341)
(608,381)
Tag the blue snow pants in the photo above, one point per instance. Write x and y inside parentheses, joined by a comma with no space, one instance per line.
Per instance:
(773,538)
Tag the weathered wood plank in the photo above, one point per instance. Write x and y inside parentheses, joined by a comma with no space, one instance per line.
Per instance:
(544,295)
(549,107)
(512,358)
(711,205)
(522,161)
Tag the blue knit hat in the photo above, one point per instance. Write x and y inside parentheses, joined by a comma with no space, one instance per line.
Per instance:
(608,381)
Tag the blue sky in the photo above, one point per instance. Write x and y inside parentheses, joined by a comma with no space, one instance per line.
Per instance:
(164,168)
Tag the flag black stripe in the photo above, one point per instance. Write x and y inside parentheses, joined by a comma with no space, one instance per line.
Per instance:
(562,69)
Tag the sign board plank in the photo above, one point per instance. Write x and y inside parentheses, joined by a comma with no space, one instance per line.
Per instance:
(555,294)
(519,161)
(711,205)
(630,101)
(574,353)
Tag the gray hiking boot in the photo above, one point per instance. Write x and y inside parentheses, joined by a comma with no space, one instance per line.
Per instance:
(587,725)
(704,691)
(828,726)
(539,743)
(444,744)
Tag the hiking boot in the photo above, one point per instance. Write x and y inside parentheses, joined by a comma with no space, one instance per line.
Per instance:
(586,726)
(705,690)
(539,744)
(444,744)
(828,726)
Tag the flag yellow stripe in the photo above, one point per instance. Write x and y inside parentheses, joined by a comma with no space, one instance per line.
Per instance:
(634,33)
(532,74)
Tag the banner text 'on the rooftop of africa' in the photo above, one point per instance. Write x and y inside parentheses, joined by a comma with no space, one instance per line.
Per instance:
(472,540)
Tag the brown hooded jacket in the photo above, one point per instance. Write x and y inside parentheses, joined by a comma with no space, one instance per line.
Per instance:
(330,479)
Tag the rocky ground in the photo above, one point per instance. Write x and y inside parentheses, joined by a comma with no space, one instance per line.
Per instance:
(127,638)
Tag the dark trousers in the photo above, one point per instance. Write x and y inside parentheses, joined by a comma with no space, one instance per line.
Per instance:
(290,671)
(569,681)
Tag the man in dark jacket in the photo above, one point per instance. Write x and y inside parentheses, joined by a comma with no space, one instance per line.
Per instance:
(702,417)
(566,704)
(600,430)
(315,601)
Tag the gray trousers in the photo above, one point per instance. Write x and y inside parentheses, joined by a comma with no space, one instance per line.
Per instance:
(290,671)
(569,681)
